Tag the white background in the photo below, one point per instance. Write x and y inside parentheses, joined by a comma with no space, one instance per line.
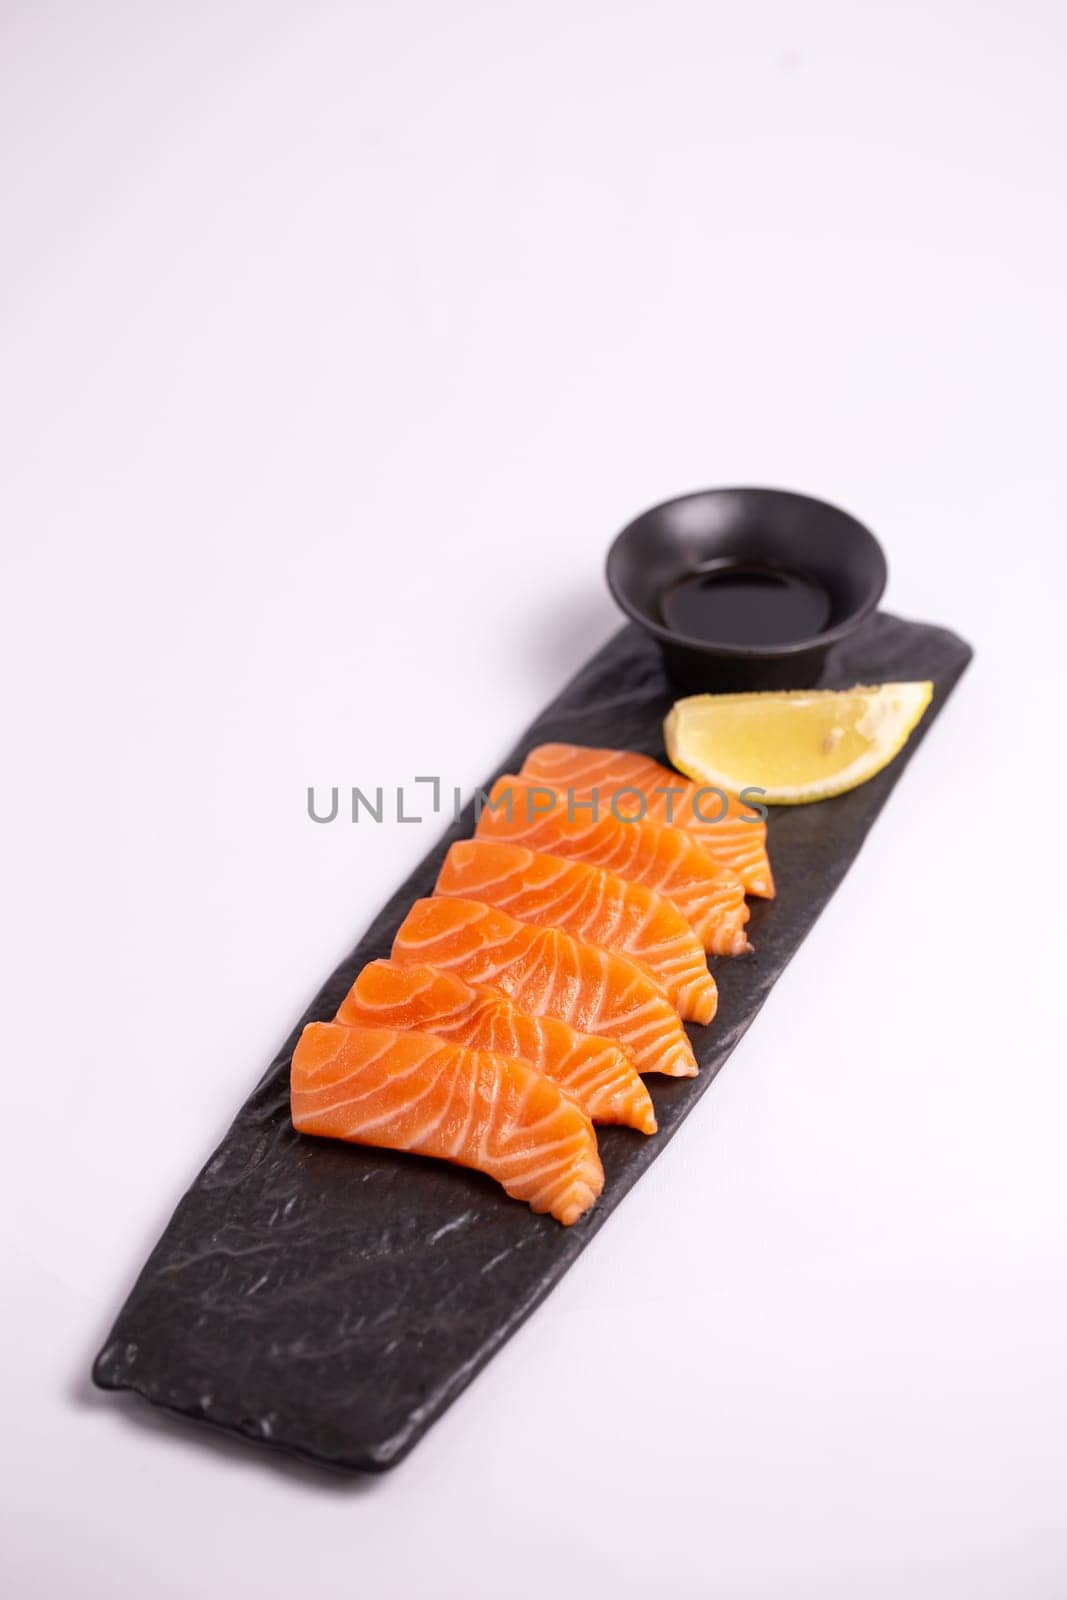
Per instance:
(338,340)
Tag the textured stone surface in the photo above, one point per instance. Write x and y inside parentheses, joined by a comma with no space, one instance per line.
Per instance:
(331,1300)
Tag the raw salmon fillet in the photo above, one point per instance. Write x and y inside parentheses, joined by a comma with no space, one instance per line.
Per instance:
(733,841)
(413,1091)
(591,904)
(597,1073)
(549,973)
(710,897)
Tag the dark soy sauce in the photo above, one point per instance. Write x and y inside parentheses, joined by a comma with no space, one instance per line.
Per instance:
(745,603)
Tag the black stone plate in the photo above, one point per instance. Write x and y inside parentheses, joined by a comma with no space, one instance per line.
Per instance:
(332,1301)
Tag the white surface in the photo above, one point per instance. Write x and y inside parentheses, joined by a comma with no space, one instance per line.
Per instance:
(332,331)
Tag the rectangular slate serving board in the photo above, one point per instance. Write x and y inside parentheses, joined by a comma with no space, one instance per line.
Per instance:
(330,1300)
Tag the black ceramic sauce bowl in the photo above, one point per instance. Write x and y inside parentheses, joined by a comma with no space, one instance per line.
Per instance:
(805,541)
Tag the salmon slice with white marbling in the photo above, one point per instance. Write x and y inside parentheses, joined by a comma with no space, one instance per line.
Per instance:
(710,897)
(596,1072)
(594,905)
(413,1091)
(737,838)
(549,973)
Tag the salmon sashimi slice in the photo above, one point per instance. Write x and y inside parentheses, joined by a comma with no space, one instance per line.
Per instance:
(710,897)
(727,828)
(598,1073)
(413,1091)
(591,904)
(549,973)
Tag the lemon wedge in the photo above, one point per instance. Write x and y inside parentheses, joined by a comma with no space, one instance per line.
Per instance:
(797,745)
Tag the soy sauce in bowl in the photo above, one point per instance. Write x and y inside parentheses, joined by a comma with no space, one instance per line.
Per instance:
(746,588)
(745,602)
